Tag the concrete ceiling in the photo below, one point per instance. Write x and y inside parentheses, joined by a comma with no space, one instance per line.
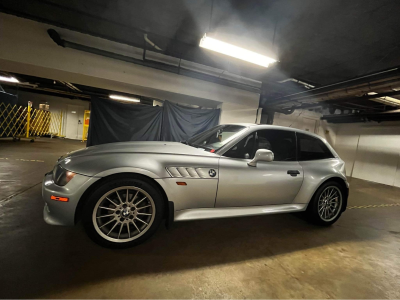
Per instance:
(320,42)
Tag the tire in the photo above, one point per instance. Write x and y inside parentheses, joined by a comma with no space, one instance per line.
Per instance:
(323,209)
(114,221)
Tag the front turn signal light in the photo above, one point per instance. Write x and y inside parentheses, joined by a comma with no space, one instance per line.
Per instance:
(57,198)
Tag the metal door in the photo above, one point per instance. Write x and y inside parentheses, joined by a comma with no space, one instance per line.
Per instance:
(269,183)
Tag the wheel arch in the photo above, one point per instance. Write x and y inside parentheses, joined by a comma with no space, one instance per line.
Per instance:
(83,199)
(340,181)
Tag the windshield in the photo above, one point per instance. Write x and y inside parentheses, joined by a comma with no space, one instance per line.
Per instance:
(215,138)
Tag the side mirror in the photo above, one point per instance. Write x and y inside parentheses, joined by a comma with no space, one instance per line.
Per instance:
(261,155)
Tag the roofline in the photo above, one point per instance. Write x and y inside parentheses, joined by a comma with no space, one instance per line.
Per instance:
(266,126)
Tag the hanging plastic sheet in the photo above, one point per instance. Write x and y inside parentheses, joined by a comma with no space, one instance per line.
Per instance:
(113,121)
(181,123)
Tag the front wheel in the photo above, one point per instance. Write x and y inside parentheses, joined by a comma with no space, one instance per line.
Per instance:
(123,213)
(325,207)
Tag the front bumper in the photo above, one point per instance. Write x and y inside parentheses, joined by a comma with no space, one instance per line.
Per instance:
(63,213)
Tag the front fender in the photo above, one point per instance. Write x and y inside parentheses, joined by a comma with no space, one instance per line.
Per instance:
(127,170)
(101,165)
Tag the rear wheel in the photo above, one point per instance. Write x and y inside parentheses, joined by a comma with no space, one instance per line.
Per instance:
(123,213)
(326,206)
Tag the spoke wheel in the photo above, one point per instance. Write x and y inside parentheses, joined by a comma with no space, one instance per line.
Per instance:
(123,214)
(329,203)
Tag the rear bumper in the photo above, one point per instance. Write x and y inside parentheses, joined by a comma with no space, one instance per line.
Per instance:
(346,197)
(63,213)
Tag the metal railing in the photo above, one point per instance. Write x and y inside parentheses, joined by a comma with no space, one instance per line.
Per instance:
(18,121)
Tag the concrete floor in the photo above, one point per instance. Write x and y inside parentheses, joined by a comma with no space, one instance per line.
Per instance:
(279,256)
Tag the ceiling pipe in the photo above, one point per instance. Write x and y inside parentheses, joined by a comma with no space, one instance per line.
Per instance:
(307,85)
(346,92)
(151,64)
(151,43)
(393,115)
(70,86)
(347,99)
(342,86)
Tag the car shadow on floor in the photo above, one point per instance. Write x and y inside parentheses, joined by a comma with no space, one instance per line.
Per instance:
(38,260)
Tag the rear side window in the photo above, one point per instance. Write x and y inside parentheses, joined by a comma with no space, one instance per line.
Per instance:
(311,148)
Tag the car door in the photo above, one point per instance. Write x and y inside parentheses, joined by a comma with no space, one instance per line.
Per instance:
(269,183)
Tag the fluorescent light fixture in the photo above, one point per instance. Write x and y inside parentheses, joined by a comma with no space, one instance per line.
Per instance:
(234,51)
(386,100)
(123,98)
(8,79)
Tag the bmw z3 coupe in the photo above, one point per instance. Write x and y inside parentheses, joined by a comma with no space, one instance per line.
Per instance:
(123,191)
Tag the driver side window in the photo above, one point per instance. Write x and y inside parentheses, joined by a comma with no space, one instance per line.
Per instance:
(243,149)
(281,142)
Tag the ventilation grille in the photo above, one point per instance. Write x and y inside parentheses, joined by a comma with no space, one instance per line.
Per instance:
(191,172)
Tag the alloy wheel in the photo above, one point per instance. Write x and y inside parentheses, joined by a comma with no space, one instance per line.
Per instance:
(123,214)
(330,203)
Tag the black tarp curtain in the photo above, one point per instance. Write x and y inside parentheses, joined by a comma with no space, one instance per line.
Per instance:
(112,121)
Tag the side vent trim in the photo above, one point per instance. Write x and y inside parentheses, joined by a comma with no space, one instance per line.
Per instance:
(193,172)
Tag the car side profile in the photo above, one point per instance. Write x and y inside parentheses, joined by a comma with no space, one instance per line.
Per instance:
(123,191)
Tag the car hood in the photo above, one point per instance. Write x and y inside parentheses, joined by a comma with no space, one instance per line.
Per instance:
(142,147)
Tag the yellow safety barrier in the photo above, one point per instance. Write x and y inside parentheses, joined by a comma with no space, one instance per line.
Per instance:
(86,119)
(56,120)
(18,121)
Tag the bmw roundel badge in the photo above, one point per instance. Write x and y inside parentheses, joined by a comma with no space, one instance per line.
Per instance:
(212,173)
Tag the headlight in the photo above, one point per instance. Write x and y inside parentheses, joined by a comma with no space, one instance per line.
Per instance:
(61,176)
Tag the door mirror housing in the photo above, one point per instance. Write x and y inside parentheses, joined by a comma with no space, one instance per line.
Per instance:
(261,155)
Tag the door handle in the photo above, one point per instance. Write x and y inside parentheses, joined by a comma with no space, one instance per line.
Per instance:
(293,173)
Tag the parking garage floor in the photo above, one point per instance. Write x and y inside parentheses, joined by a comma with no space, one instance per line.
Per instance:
(278,256)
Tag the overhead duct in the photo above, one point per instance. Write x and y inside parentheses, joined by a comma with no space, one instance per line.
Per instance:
(151,64)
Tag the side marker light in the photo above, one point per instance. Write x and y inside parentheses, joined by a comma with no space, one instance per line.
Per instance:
(57,198)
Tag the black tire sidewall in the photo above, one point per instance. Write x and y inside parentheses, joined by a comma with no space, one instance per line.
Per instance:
(108,185)
(312,209)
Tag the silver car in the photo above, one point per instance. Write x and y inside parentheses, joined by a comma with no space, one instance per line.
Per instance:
(123,191)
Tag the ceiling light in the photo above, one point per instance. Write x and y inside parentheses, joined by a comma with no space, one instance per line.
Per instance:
(8,79)
(234,51)
(123,98)
(386,100)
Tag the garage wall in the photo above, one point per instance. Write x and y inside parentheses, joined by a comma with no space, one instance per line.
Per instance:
(26,48)
(234,113)
(309,121)
(371,151)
